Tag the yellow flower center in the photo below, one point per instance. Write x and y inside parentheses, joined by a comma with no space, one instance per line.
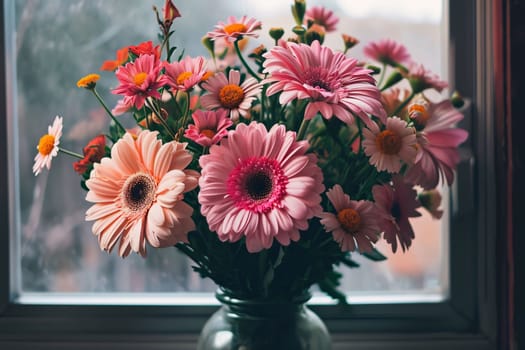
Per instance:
(388,142)
(231,96)
(206,75)
(139,78)
(349,219)
(208,133)
(235,28)
(46,144)
(183,77)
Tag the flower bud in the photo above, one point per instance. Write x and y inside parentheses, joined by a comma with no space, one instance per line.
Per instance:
(431,200)
(209,44)
(276,33)
(349,41)
(457,100)
(298,11)
(315,32)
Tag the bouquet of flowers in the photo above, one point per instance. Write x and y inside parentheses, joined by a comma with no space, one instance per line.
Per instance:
(268,169)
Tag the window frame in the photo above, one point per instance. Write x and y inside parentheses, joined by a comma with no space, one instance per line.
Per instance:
(467,320)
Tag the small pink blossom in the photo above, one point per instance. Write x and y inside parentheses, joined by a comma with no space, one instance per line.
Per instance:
(421,79)
(184,74)
(396,203)
(139,80)
(321,16)
(261,185)
(333,84)
(387,148)
(229,94)
(354,224)
(235,29)
(209,128)
(437,151)
(387,51)
(123,106)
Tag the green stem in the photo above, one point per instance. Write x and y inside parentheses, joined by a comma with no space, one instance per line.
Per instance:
(245,64)
(108,111)
(403,104)
(382,76)
(302,129)
(69,153)
(162,121)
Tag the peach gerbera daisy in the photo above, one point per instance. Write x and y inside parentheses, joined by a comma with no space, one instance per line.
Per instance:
(333,84)
(229,94)
(387,148)
(261,185)
(138,194)
(139,80)
(235,29)
(321,16)
(210,127)
(184,74)
(48,146)
(354,225)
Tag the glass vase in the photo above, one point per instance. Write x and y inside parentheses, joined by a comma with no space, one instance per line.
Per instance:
(242,324)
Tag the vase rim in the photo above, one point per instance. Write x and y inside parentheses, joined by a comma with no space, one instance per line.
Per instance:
(230,298)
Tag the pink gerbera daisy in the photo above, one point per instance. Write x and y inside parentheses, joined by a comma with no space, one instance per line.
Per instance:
(261,185)
(387,148)
(210,127)
(438,141)
(139,80)
(184,74)
(387,51)
(229,94)
(333,83)
(396,203)
(48,146)
(354,225)
(235,29)
(123,106)
(421,79)
(138,194)
(321,16)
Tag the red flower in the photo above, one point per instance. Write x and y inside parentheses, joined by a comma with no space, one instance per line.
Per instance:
(122,57)
(146,48)
(94,151)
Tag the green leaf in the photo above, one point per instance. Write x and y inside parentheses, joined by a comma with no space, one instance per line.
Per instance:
(375,255)
(349,262)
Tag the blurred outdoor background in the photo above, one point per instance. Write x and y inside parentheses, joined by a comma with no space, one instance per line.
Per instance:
(59,41)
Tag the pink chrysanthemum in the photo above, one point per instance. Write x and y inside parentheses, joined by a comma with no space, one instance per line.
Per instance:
(354,225)
(389,147)
(334,84)
(139,80)
(396,205)
(323,17)
(421,79)
(229,94)
(261,185)
(48,146)
(138,194)
(184,74)
(210,127)
(387,51)
(235,29)
(438,143)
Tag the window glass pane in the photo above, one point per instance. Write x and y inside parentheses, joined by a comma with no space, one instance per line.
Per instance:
(58,41)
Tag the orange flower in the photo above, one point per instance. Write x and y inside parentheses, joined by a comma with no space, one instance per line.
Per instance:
(89,81)
(145,48)
(122,57)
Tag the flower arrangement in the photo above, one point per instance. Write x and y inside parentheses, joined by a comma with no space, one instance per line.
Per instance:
(267,169)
